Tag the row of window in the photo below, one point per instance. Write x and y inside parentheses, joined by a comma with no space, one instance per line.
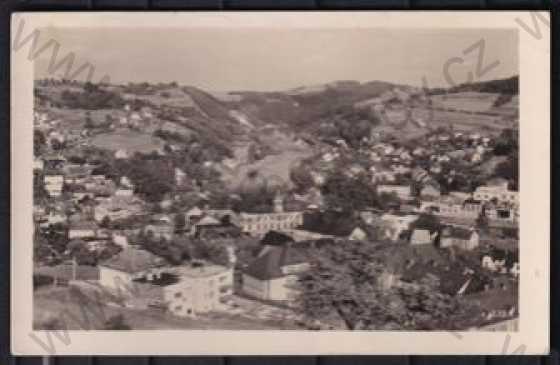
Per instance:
(271,226)
(272,217)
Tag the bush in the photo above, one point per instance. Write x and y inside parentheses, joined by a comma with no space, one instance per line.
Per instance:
(116,323)
(40,280)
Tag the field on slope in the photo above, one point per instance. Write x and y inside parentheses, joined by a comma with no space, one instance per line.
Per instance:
(128,140)
(274,167)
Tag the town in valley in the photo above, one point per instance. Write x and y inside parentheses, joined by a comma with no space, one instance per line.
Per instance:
(348,205)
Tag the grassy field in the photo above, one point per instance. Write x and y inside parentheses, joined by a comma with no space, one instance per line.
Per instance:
(173,97)
(129,140)
(274,167)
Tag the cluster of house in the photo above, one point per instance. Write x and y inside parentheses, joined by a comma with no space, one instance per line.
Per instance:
(494,200)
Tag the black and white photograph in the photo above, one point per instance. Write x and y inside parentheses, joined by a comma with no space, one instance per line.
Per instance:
(280,178)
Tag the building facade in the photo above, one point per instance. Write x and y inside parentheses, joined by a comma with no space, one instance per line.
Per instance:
(261,223)
(199,290)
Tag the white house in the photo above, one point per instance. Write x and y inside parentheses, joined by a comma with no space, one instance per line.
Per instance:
(38,164)
(398,223)
(120,239)
(430,191)
(493,264)
(54,184)
(180,176)
(357,234)
(422,237)
(82,229)
(404,192)
(464,238)
(124,192)
(54,218)
(121,154)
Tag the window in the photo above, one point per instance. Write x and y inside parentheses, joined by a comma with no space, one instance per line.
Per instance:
(178,294)
(178,308)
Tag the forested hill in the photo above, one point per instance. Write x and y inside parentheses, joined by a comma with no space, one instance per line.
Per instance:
(509,86)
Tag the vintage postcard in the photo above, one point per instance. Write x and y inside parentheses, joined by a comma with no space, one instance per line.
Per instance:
(280,183)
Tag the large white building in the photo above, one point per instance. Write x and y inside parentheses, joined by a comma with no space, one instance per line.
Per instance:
(453,207)
(142,277)
(261,223)
(404,192)
(496,190)
(202,288)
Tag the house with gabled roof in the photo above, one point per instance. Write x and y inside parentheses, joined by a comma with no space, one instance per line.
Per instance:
(430,191)
(273,274)
(82,229)
(422,237)
(461,237)
(130,264)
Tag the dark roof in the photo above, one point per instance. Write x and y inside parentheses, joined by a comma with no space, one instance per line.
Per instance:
(83,224)
(457,232)
(472,201)
(275,238)
(511,256)
(270,261)
(133,260)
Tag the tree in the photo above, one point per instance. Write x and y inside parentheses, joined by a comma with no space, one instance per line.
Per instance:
(345,281)
(387,200)
(116,323)
(180,222)
(90,87)
(39,142)
(89,122)
(212,251)
(348,194)
(506,143)
(39,192)
(301,177)
(482,221)
(427,221)
(509,170)
(57,145)
(105,222)
(78,249)
(109,119)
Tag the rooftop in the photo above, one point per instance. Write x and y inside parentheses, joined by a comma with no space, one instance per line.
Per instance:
(132,260)
(457,232)
(199,270)
(270,261)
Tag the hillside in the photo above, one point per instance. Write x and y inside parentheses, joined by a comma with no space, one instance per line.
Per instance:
(508,85)
(154,115)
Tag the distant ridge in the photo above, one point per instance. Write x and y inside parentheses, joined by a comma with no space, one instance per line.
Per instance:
(509,86)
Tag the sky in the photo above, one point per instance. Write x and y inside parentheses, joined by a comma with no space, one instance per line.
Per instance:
(280,59)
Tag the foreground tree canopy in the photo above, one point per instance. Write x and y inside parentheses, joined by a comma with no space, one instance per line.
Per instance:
(350,283)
